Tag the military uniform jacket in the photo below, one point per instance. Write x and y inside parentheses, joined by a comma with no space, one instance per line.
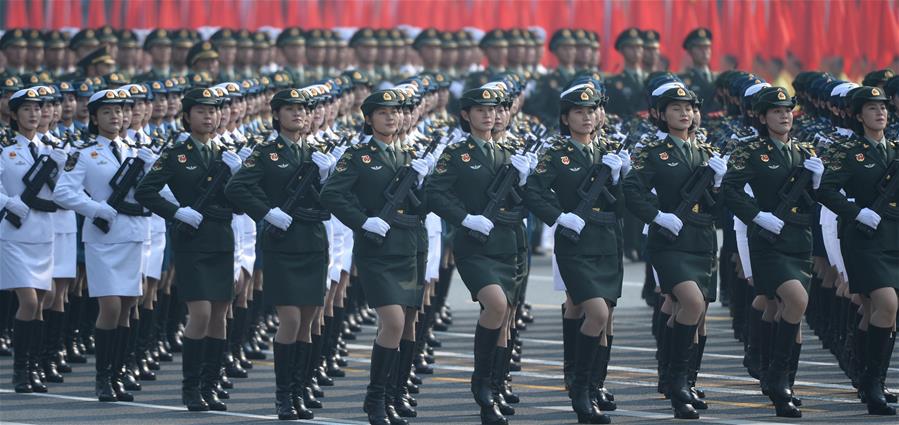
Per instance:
(660,164)
(856,167)
(355,192)
(764,167)
(260,185)
(544,102)
(553,189)
(84,185)
(704,86)
(182,168)
(15,161)
(626,95)
(459,188)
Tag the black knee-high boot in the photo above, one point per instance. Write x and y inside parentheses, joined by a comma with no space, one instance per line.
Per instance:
(752,351)
(283,362)
(603,399)
(374,405)
(569,339)
(887,393)
(209,375)
(34,354)
(21,342)
(104,340)
(663,354)
(794,368)
(119,348)
(50,348)
(298,379)
(404,368)
(72,331)
(579,393)
(695,364)
(779,390)
(500,367)
(191,368)
(878,353)
(765,339)
(681,351)
(145,344)
(484,350)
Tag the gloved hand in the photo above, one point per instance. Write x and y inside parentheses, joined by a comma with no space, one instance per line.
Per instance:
(523,165)
(16,206)
(338,151)
(866,216)
(376,225)
(244,153)
(59,156)
(432,160)
(769,222)
(814,165)
(231,160)
(189,216)
(571,221)
(278,218)
(532,160)
(422,167)
(669,221)
(719,165)
(324,162)
(106,212)
(478,223)
(149,158)
(625,162)
(613,161)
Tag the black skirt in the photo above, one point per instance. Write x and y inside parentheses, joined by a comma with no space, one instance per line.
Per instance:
(298,279)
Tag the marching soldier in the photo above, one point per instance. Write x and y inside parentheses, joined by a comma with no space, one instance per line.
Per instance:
(625,90)
(542,102)
(652,59)
(699,78)
(496,50)
(15,50)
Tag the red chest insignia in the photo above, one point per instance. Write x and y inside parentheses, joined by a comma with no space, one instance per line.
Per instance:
(12,154)
(663,156)
(764,157)
(465,157)
(182,158)
(565,160)
(860,157)
(94,154)
(273,156)
(366,159)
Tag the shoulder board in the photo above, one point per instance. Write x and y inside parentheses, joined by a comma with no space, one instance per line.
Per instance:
(87,143)
(455,146)
(5,142)
(359,146)
(72,160)
(847,142)
(653,142)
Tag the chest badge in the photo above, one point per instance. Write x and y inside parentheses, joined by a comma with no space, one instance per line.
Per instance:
(94,154)
(764,157)
(376,167)
(663,156)
(12,154)
(475,166)
(465,157)
(182,158)
(565,160)
(366,159)
(869,165)
(282,165)
(273,156)
(860,157)
(574,169)
(190,167)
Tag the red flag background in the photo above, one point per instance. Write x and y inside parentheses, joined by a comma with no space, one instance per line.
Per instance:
(814,31)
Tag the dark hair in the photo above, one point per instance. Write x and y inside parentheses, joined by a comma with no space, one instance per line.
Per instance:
(463,123)
(852,121)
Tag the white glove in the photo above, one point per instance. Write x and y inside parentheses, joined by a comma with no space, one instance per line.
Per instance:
(189,216)
(769,222)
(421,167)
(613,161)
(244,153)
(814,165)
(106,212)
(478,223)
(17,207)
(324,162)
(625,162)
(866,216)
(338,151)
(523,165)
(376,225)
(432,160)
(146,155)
(571,221)
(532,160)
(59,156)
(231,160)
(719,166)
(278,218)
(669,221)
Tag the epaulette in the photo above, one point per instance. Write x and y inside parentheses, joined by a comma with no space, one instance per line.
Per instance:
(87,143)
(454,146)
(359,146)
(653,142)
(71,161)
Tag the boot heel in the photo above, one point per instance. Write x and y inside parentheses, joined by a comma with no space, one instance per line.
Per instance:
(491,416)
(787,410)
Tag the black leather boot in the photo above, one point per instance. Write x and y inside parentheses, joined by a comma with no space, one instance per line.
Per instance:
(374,405)
(878,343)
(681,346)
(391,389)
(579,393)
(404,367)
(35,374)
(506,387)
(49,349)
(498,376)
(120,345)
(695,364)
(209,375)
(484,349)
(283,363)
(778,378)
(103,346)
(298,379)
(794,367)
(751,355)
(569,338)
(887,393)
(191,367)
(598,373)
(664,356)
(21,341)
(766,338)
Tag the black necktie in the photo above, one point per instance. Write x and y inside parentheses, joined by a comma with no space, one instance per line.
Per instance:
(115,151)
(882,150)
(688,152)
(788,155)
(33,149)
(588,150)
(391,155)
(488,150)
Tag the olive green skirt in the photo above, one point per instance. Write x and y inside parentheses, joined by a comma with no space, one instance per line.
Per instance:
(771,268)
(298,279)
(389,280)
(478,271)
(870,270)
(591,276)
(521,274)
(204,276)
(674,267)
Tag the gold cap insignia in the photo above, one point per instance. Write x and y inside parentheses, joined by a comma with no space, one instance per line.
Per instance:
(875,92)
(781,96)
(207,93)
(681,92)
(486,94)
(294,93)
(387,96)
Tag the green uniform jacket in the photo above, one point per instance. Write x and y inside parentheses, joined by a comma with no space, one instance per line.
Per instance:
(181,167)
(544,102)
(761,165)
(260,185)
(626,96)
(459,188)
(856,167)
(553,189)
(704,87)
(356,192)
(660,164)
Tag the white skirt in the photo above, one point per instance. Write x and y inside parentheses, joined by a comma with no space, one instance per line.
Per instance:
(65,253)
(26,265)
(157,252)
(743,247)
(114,269)
(432,269)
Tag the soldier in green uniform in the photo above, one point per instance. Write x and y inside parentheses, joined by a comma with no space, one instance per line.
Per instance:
(296,261)
(589,267)
(869,239)
(159,47)
(652,60)
(458,194)
(15,48)
(781,269)
(203,255)
(542,103)
(686,262)
(387,270)
(699,78)
(625,90)
(203,58)
(293,47)
(430,47)
(496,50)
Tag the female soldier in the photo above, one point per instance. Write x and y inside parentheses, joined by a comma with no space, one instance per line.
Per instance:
(588,263)
(295,243)
(458,194)
(26,250)
(387,270)
(113,238)
(869,235)
(203,255)
(783,268)
(683,254)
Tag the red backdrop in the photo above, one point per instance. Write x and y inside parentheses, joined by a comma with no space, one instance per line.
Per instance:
(810,29)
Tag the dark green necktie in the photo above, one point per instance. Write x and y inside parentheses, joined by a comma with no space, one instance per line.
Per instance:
(588,152)
(297,150)
(882,150)
(391,155)
(688,152)
(788,155)
(488,150)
